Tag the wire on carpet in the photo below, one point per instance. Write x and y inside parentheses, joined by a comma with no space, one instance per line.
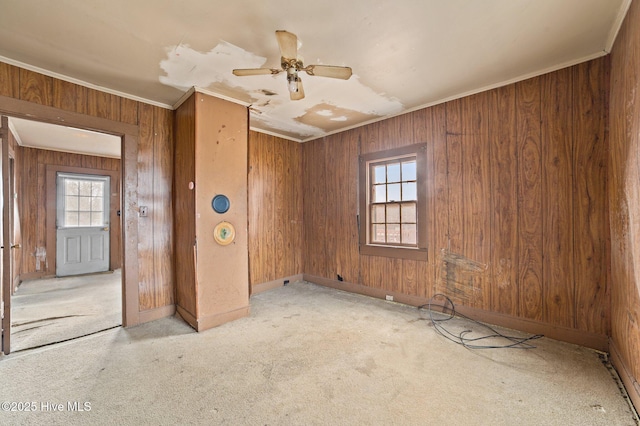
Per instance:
(464,338)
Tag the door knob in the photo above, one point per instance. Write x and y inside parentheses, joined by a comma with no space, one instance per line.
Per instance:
(16,246)
(106,228)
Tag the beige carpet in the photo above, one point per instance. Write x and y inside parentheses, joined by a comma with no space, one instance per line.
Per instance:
(309,355)
(57,309)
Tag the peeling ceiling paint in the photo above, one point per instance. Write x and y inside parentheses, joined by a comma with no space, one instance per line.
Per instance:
(268,94)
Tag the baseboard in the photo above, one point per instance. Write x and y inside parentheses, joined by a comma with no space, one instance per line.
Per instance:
(187,317)
(210,321)
(156,313)
(35,276)
(270,285)
(582,338)
(630,383)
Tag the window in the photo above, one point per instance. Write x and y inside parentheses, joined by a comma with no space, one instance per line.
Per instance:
(82,200)
(393,203)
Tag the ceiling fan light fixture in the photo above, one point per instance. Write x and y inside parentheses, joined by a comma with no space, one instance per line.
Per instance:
(292,80)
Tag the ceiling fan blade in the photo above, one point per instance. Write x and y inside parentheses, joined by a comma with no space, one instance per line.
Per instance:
(296,96)
(255,71)
(329,71)
(288,43)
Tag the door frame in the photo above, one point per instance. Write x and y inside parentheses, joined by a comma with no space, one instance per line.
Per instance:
(7,231)
(129,134)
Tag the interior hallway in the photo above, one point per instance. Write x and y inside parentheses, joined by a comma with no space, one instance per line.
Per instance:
(57,309)
(316,356)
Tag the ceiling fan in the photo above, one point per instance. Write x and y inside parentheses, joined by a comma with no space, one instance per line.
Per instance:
(290,63)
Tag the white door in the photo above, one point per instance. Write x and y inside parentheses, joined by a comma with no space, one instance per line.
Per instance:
(82,235)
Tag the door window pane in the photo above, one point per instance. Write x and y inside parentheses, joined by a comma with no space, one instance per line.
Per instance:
(83,202)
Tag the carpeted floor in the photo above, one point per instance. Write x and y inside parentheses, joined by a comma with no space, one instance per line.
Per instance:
(57,309)
(308,355)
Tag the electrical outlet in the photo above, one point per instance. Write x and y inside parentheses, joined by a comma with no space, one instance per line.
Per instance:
(144,211)
(389,298)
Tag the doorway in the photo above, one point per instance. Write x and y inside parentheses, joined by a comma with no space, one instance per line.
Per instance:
(76,287)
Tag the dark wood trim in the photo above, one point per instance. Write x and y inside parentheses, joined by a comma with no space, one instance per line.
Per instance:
(570,335)
(630,383)
(32,111)
(270,285)
(129,186)
(157,313)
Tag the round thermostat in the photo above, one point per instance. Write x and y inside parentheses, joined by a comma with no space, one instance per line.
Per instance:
(220,203)
(224,233)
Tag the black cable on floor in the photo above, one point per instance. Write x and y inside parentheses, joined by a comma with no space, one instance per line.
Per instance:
(448,310)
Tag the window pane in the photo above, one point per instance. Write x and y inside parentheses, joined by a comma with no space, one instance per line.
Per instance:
(377,233)
(84,219)
(393,213)
(408,213)
(97,189)
(85,204)
(379,194)
(408,234)
(409,191)
(71,203)
(393,172)
(70,219)
(71,187)
(96,219)
(96,204)
(377,214)
(393,233)
(379,174)
(85,188)
(409,170)
(393,192)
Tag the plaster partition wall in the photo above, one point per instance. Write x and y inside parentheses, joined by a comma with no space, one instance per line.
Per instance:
(212,280)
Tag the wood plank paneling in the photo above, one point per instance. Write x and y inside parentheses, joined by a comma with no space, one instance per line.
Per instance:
(275,208)
(65,95)
(185,206)
(477,194)
(529,195)
(40,90)
(504,180)
(315,208)
(504,187)
(36,88)
(623,177)
(590,177)
(557,204)
(38,252)
(146,259)
(9,80)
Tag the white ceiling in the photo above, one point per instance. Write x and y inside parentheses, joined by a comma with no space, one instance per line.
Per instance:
(405,54)
(34,134)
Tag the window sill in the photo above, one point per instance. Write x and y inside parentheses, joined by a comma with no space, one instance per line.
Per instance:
(396,252)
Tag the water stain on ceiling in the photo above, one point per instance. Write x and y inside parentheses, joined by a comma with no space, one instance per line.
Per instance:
(268,96)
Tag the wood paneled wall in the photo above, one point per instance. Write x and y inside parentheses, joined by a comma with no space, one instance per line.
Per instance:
(35,200)
(275,208)
(516,190)
(155,168)
(624,201)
